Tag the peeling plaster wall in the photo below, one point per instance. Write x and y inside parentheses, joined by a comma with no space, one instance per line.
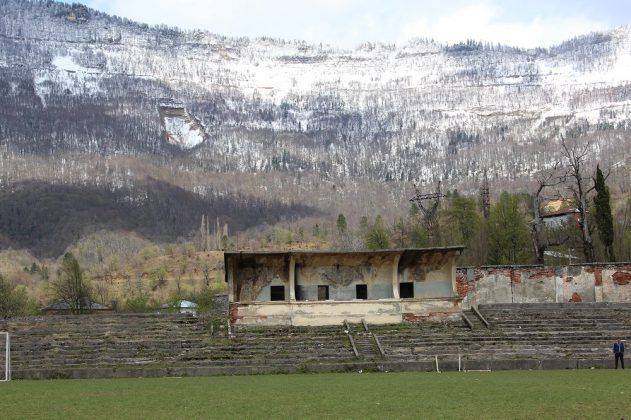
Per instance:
(575,283)
(342,273)
(616,284)
(430,310)
(431,274)
(335,313)
(255,275)
(532,285)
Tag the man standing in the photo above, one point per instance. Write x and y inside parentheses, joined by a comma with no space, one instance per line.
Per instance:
(618,352)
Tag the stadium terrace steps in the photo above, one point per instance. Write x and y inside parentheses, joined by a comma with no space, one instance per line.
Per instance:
(364,342)
(537,331)
(520,336)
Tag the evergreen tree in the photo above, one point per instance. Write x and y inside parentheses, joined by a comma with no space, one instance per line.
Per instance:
(378,236)
(71,286)
(363,224)
(400,233)
(508,233)
(316,231)
(414,210)
(463,218)
(341,224)
(418,236)
(603,217)
(461,222)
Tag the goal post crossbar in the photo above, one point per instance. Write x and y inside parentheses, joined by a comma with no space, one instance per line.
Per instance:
(5,338)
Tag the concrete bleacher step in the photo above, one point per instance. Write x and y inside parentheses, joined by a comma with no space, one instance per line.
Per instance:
(520,335)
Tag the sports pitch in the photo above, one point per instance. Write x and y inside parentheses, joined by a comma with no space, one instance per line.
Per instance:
(508,394)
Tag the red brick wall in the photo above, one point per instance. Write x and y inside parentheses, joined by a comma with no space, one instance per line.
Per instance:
(596,282)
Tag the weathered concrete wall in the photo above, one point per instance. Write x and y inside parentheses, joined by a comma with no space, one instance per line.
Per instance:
(534,284)
(430,310)
(251,275)
(431,274)
(255,275)
(387,311)
(342,273)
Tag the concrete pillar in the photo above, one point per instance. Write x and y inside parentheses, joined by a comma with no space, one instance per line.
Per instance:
(292,278)
(230,273)
(559,276)
(598,288)
(454,289)
(395,276)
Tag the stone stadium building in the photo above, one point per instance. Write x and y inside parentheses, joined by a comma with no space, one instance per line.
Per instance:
(326,288)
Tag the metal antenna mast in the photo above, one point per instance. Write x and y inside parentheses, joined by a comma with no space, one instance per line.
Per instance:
(429,203)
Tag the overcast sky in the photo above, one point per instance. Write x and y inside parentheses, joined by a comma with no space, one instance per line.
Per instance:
(347,23)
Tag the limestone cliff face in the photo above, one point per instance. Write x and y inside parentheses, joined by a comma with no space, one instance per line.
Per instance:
(419,111)
(180,129)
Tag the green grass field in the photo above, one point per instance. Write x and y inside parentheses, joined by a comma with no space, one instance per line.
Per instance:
(516,394)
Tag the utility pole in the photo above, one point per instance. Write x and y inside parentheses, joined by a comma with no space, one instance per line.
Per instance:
(429,204)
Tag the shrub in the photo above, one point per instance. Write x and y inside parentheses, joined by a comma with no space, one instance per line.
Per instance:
(205,299)
(158,278)
(14,301)
(139,304)
(150,252)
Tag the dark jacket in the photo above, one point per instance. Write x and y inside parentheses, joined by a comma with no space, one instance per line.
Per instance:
(618,347)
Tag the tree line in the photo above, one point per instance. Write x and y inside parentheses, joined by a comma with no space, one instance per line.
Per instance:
(512,229)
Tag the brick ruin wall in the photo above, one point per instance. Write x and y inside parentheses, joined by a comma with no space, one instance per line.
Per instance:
(536,284)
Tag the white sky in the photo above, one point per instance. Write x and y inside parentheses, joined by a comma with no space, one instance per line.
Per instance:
(347,23)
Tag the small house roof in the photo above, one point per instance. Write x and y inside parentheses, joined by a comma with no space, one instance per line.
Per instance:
(181,304)
(559,213)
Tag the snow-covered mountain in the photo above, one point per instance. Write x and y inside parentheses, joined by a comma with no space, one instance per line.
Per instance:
(83,82)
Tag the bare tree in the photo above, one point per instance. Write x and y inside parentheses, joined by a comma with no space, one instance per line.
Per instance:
(576,156)
(547,179)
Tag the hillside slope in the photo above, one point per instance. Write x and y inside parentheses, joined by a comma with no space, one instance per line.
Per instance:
(292,121)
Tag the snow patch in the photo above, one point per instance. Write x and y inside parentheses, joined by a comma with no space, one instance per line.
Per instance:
(65,76)
(183,132)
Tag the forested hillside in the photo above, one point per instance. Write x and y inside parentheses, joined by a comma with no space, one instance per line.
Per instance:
(257,131)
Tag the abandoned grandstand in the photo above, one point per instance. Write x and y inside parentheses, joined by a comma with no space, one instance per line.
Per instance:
(329,311)
(326,288)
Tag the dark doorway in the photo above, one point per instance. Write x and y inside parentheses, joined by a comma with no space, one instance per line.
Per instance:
(323,292)
(361,291)
(277,293)
(300,292)
(406,290)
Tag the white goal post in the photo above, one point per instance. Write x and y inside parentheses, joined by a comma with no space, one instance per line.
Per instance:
(5,356)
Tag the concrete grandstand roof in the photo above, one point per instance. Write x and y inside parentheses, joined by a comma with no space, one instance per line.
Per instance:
(458,248)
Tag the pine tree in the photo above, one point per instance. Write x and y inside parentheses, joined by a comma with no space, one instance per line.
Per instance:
(463,218)
(378,236)
(461,223)
(71,286)
(363,223)
(603,217)
(341,224)
(414,211)
(418,236)
(508,233)
(400,233)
